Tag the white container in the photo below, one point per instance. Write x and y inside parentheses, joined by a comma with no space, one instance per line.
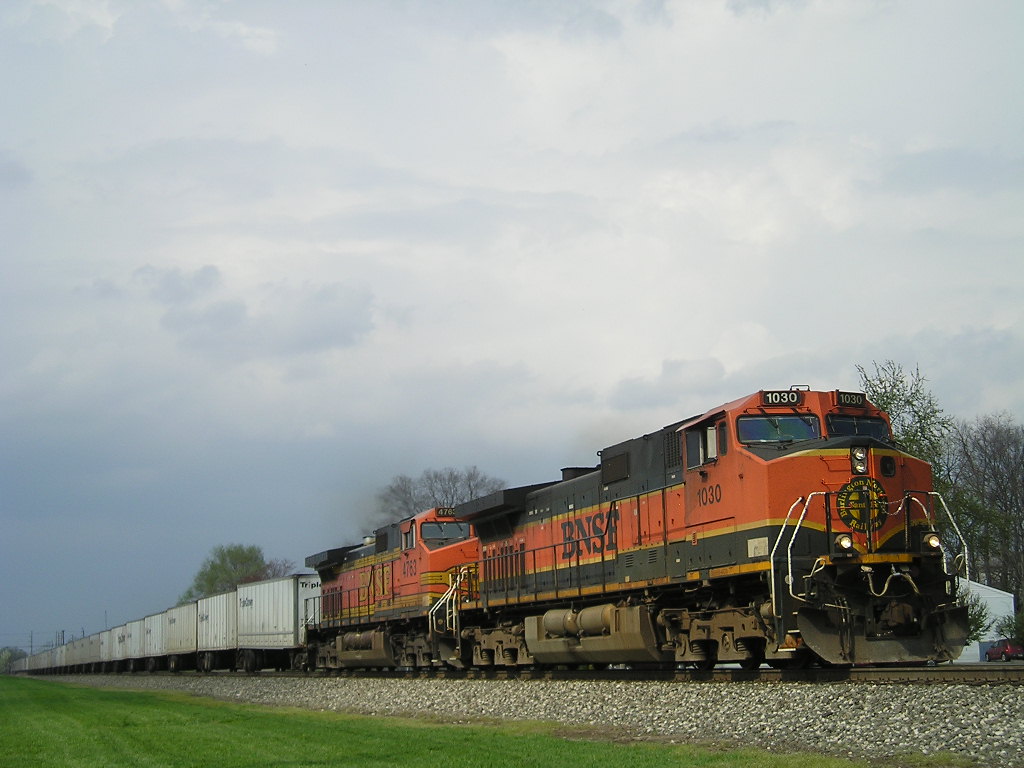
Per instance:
(180,629)
(70,653)
(40,661)
(135,639)
(107,646)
(272,613)
(119,643)
(90,650)
(217,622)
(154,646)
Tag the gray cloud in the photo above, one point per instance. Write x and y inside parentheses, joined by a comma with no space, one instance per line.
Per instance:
(13,174)
(954,169)
(677,380)
(173,286)
(286,321)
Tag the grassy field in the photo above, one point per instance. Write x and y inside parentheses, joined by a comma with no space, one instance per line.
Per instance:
(50,724)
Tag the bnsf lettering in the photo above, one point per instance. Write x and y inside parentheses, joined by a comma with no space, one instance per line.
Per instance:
(594,534)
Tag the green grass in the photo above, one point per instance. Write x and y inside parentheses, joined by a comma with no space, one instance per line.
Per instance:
(51,724)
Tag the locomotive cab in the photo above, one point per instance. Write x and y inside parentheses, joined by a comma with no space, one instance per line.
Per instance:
(856,560)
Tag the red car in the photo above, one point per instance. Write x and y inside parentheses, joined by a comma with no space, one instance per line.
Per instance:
(1004,650)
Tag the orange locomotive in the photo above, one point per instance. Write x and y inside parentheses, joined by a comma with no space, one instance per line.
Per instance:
(377,599)
(784,527)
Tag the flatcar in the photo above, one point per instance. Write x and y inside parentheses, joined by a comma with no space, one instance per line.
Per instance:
(254,626)
(785,527)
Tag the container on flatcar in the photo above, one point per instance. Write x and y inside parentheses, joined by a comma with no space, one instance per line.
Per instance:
(107,646)
(180,636)
(135,644)
(89,655)
(118,647)
(272,620)
(154,647)
(217,631)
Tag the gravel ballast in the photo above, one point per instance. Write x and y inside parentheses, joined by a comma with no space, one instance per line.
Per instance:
(876,721)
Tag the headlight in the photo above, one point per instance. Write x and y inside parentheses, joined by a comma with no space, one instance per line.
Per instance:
(932,541)
(859,460)
(844,542)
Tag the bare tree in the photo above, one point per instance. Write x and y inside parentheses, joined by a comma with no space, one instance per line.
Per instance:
(405,496)
(989,480)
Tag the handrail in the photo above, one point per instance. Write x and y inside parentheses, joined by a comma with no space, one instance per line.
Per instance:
(778,540)
(963,541)
(449,602)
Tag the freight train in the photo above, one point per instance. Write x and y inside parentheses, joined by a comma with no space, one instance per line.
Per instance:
(786,528)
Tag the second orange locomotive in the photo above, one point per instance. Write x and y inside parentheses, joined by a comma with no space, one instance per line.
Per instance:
(784,527)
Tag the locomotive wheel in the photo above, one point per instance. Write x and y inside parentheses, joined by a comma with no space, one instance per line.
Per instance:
(799,661)
(706,664)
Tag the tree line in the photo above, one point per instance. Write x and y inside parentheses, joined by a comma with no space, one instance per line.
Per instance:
(978,468)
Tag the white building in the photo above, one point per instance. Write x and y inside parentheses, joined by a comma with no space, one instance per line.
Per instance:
(999,604)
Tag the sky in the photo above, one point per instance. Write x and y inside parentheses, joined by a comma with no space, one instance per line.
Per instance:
(258,258)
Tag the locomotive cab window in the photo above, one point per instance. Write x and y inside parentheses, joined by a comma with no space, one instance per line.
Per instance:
(703,444)
(436,535)
(840,425)
(784,428)
(409,537)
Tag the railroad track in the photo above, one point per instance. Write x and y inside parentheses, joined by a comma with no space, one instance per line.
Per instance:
(946,674)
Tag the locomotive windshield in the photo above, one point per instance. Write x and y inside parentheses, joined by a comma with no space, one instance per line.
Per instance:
(839,425)
(778,429)
(436,535)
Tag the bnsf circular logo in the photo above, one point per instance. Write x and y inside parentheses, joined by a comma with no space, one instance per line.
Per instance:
(863,504)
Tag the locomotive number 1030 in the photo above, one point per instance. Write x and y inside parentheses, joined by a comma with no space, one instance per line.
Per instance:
(781,397)
(708,495)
